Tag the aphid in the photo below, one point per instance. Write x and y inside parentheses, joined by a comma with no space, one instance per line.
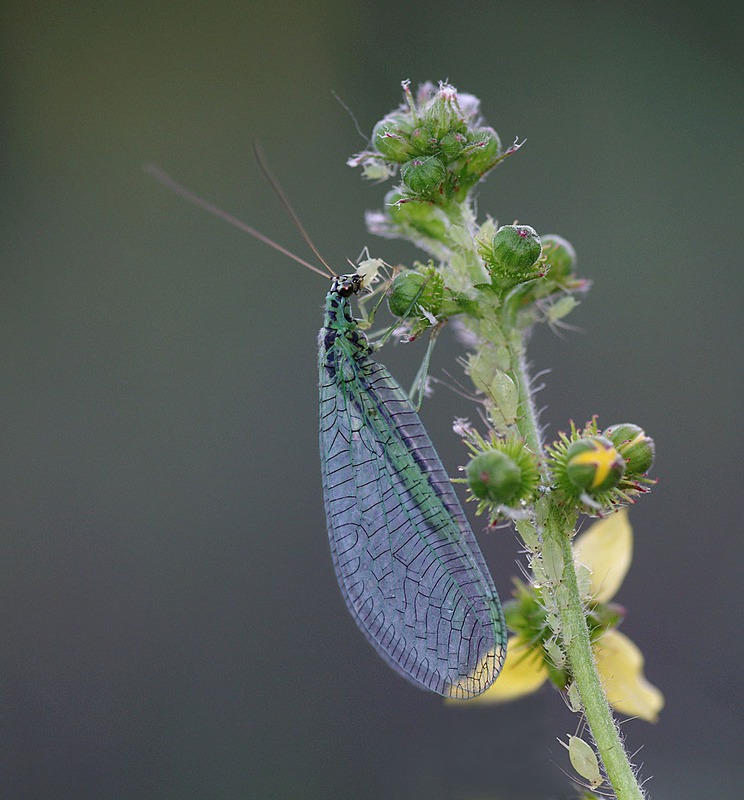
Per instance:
(407,561)
(584,761)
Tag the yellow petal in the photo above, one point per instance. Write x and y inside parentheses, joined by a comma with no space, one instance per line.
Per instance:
(523,672)
(620,664)
(606,548)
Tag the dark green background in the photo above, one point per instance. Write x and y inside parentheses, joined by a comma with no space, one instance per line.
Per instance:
(171,626)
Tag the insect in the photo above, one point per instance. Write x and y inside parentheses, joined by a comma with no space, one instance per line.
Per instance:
(407,561)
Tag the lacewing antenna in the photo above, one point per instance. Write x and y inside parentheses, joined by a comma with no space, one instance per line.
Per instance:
(274,183)
(163,177)
(351,114)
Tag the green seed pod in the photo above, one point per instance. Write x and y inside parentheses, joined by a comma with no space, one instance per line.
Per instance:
(593,464)
(422,141)
(390,137)
(560,255)
(634,446)
(494,476)
(411,291)
(484,149)
(451,145)
(515,248)
(423,176)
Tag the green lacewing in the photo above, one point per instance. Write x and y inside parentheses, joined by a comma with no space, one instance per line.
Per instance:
(407,562)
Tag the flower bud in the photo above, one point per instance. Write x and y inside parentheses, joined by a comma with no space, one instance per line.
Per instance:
(494,476)
(560,255)
(423,176)
(412,291)
(634,446)
(593,464)
(443,113)
(515,248)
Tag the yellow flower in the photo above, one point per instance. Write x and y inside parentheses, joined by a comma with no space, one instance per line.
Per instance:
(620,665)
(602,555)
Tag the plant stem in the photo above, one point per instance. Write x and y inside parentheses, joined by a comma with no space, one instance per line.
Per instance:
(573,630)
(577,646)
(495,290)
(527,421)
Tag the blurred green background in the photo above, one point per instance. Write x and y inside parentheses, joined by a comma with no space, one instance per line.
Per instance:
(171,625)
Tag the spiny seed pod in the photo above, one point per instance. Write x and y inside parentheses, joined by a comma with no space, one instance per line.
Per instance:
(634,446)
(560,255)
(423,176)
(494,476)
(411,291)
(515,248)
(594,465)
(443,113)
(390,138)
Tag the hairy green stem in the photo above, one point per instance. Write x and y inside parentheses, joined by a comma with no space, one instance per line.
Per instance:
(577,646)
(574,632)
(497,328)
(527,420)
